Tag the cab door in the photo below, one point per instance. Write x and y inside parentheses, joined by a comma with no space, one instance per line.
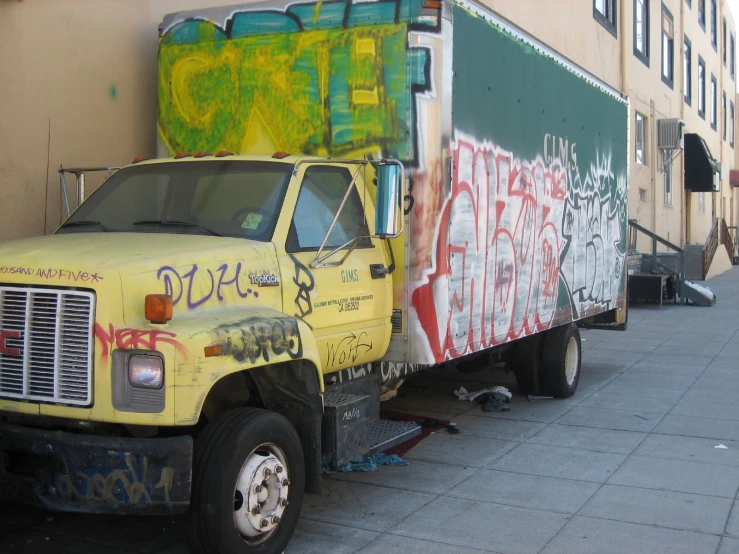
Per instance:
(348,306)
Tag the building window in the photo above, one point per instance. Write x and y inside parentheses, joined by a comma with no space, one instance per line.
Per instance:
(723,40)
(723,111)
(668,69)
(641,139)
(688,72)
(641,30)
(702,13)
(714,102)
(702,201)
(604,11)
(701,87)
(714,38)
(732,123)
(667,163)
(731,56)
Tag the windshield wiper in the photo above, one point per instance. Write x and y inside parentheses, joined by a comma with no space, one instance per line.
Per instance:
(85,223)
(177,223)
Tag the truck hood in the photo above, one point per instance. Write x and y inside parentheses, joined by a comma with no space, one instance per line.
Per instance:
(198,271)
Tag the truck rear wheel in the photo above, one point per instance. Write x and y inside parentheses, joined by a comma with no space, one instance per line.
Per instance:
(560,359)
(248,483)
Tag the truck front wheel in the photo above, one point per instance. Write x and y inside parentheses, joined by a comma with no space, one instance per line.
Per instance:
(560,360)
(248,483)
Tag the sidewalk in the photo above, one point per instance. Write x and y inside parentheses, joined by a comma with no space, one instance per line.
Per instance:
(627,465)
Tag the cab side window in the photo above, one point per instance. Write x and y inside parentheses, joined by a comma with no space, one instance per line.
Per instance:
(321,192)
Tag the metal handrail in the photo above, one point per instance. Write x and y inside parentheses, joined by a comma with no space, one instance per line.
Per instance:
(657,239)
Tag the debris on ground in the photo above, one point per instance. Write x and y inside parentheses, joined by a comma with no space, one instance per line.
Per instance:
(462,393)
(721,447)
(443,423)
(705,291)
(537,397)
(365,463)
(496,402)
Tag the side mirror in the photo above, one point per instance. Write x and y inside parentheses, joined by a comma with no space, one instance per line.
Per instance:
(389,186)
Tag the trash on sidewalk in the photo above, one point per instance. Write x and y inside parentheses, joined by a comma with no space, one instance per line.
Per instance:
(365,463)
(462,393)
(431,422)
(537,397)
(721,447)
(705,291)
(496,402)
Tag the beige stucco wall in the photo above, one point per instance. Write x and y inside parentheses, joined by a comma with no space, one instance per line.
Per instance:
(79,89)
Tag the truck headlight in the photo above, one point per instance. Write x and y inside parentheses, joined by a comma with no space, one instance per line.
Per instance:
(146,371)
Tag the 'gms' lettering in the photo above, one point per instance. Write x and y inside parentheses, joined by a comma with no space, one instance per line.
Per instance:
(560,148)
(349,275)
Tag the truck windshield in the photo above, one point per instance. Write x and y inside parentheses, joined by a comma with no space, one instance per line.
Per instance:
(222,198)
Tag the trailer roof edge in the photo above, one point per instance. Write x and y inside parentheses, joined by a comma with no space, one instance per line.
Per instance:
(510,27)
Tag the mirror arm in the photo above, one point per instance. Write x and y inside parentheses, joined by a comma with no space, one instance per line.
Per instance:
(318,258)
(318,262)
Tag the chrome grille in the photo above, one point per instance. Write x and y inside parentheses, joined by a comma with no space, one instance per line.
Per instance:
(46,345)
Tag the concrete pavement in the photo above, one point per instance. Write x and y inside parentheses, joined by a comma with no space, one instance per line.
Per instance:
(629,464)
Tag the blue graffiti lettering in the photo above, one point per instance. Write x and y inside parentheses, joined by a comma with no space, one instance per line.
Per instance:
(199,285)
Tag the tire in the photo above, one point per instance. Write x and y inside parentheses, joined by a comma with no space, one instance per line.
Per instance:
(527,365)
(234,454)
(561,361)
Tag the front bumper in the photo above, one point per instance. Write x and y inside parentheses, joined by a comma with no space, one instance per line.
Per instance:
(84,473)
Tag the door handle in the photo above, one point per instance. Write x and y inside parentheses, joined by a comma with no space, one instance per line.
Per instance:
(378,271)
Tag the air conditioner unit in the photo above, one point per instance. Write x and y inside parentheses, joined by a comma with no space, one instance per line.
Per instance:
(670,134)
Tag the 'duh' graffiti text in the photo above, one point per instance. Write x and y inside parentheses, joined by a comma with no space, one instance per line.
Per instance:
(196,286)
(499,254)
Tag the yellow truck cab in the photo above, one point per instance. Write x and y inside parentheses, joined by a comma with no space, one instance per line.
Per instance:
(212,327)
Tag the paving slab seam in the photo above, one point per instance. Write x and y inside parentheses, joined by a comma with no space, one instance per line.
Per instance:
(577,513)
(651,525)
(512,505)
(389,533)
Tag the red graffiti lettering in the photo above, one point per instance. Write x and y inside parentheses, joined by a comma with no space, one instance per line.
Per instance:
(495,275)
(143,339)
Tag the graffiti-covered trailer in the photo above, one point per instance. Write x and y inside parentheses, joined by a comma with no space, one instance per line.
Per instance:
(347,193)
(516,208)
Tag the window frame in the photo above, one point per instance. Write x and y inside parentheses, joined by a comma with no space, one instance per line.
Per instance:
(714,26)
(702,14)
(687,70)
(669,81)
(637,118)
(723,111)
(292,241)
(732,121)
(714,103)
(732,55)
(609,21)
(723,40)
(701,87)
(643,56)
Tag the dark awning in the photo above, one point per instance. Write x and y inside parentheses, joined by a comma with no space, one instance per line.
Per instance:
(700,165)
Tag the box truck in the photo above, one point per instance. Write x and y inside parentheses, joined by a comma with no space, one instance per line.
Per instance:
(346,193)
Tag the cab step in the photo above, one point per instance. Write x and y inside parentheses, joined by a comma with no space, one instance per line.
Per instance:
(349,431)
(385,434)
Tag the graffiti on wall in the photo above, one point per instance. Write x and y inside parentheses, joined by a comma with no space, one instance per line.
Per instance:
(319,78)
(510,234)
